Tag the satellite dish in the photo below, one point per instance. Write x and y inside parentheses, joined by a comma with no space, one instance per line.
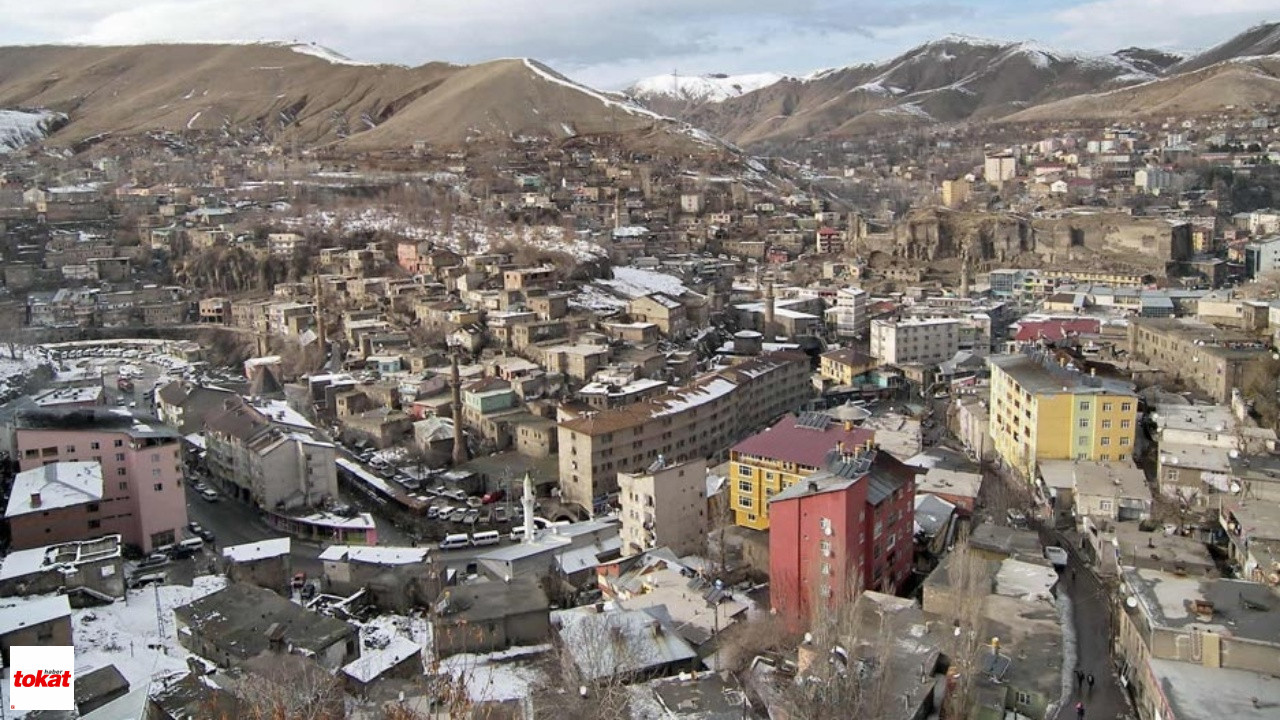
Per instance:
(1131,601)
(1235,488)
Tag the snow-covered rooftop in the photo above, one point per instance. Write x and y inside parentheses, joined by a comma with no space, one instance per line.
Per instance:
(261,550)
(18,613)
(372,664)
(53,486)
(20,563)
(374,555)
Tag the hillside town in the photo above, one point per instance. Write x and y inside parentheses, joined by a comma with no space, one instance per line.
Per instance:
(950,421)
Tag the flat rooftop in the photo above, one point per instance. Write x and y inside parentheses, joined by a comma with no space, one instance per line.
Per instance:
(1241,609)
(1040,374)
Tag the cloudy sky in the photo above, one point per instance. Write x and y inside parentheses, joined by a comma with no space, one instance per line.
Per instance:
(608,43)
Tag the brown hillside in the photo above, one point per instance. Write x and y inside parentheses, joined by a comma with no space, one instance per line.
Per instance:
(269,89)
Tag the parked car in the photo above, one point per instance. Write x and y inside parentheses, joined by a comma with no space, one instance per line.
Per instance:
(493,497)
(194,528)
(486,515)
(500,514)
(206,534)
(154,560)
(457,515)
(151,578)
(471,516)
(433,512)
(209,494)
(456,494)
(474,501)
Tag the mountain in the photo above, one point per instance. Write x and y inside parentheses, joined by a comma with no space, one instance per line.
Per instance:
(673,94)
(309,95)
(1258,40)
(1147,60)
(952,79)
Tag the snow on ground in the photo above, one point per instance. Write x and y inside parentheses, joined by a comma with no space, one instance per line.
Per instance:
(14,371)
(591,297)
(635,282)
(506,675)
(21,127)
(547,74)
(324,53)
(131,635)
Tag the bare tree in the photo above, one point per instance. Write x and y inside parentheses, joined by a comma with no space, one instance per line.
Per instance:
(287,687)
(970,579)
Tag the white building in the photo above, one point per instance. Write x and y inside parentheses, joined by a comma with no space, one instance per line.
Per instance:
(1000,168)
(285,244)
(664,506)
(849,315)
(925,341)
(1262,257)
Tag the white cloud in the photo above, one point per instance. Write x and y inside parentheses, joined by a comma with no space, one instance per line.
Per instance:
(1106,25)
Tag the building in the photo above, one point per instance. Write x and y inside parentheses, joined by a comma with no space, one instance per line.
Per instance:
(839,532)
(1262,257)
(1109,492)
(266,563)
(285,244)
(956,192)
(1044,409)
(56,503)
(138,485)
(662,310)
(400,659)
(484,617)
(666,505)
(256,461)
(923,341)
(1211,360)
(1190,647)
(781,456)
(394,579)
(234,625)
(999,168)
(43,620)
(96,566)
(697,420)
(848,316)
(846,367)
(641,643)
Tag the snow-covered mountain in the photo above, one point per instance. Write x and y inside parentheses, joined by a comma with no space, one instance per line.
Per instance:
(716,87)
(23,127)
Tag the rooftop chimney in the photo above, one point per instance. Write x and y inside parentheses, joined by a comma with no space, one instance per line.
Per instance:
(813,486)
(848,426)
(35,499)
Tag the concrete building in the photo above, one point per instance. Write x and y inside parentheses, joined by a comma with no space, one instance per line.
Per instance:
(846,367)
(485,617)
(235,625)
(920,341)
(1192,648)
(42,621)
(138,488)
(92,566)
(265,563)
(956,192)
(841,531)
(255,461)
(56,503)
(1208,359)
(697,420)
(848,316)
(1262,257)
(1044,409)
(396,579)
(662,310)
(783,455)
(999,168)
(1109,492)
(666,505)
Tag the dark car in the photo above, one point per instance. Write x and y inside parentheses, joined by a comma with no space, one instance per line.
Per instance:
(206,534)
(493,497)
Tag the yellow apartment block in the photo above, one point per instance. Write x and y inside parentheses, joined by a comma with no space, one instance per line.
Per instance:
(1044,409)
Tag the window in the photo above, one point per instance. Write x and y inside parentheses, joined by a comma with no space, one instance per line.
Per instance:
(1124,441)
(95,445)
(1084,406)
(744,501)
(745,486)
(825,547)
(1106,407)
(45,632)
(1104,457)
(93,507)
(71,448)
(1084,422)
(124,486)
(155,457)
(159,487)
(120,471)
(744,470)
(95,524)
(31,453)
(1023,698)
(826,568)
(1106,440)
(1082,440)
(1126,407)
(751,517)
(1082,456)
(119,457)
(155,472)
(1105,504)
(1122,457)
(1124,424)
(1106,424)
(117,443)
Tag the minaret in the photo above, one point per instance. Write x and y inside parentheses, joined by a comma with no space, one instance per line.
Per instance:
(768,312)
(964,273)
(526,502)
(321,337)
(459,442)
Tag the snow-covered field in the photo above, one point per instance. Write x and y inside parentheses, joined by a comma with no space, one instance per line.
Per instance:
(627,283)
(13,371)
(130,634)
(21,127)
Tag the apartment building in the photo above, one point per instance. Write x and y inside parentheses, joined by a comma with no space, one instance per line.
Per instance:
(668,313)
(139,487)
(922,341)
(698,420)
(257,461)
(665,506)
(839,532)
(1042,408)
(846,366)
(1209,359)
(1262,257)
(543,277)
(782,455)
(848,316)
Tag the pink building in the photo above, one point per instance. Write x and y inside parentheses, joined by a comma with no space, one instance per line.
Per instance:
(142,493)
(57,503)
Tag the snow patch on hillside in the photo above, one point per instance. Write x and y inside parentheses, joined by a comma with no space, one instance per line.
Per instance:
(324,53)
(22,127)
(702,88)
(549,75)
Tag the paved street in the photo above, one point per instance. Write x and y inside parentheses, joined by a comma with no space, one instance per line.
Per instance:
(1106,699)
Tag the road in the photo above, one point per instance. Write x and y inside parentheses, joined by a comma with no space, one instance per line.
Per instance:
(1092,611)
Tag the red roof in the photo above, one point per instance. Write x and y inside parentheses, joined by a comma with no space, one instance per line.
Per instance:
(1054,330)
(788,441)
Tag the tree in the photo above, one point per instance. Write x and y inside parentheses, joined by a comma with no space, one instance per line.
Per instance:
(970,578)
(288,687)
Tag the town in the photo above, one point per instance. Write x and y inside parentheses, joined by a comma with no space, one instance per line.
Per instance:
(944,421)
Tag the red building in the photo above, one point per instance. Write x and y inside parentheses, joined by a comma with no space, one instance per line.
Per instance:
(841,531)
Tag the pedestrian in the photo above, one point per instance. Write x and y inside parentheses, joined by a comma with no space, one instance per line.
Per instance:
(1079,711)
(1079,678)
(1090,678)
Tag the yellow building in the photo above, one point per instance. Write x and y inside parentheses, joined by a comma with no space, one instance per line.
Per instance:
(845,365)
(956,192)
(1043,409)
(782,455)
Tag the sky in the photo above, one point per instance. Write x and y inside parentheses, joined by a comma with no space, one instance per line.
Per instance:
(609,43)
